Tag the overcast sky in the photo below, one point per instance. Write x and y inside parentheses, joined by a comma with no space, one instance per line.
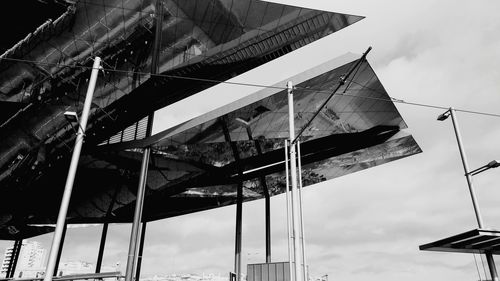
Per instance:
(367,225)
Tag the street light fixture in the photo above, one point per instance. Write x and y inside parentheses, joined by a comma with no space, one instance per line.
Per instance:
(490,165)
(71,117)
(444,116)
(468,176)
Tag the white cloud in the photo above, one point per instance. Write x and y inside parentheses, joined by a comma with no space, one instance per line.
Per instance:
(367,225)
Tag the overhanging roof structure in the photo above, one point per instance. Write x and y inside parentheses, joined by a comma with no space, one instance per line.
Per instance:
(193,168)
(476,241)
(46,74)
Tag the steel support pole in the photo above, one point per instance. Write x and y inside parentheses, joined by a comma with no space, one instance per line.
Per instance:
(237,244)
(472,191)
(68,188)
(9,268)
(239,203)
(293,177)
(302,231)
(341,83)
(59,253)
(134,235)
(267,197)
(16,257)
(13,260)
(492,266)
(489,256)
(102,244)
(141,251)
(288,210)
(268,225)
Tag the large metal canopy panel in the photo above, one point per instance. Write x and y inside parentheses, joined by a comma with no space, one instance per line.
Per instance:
(476,241)
(196,169)
(215,40)
(46,74)
(193,167)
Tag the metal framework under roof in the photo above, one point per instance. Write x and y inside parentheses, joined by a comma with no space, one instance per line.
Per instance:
(193,167)
(203,43)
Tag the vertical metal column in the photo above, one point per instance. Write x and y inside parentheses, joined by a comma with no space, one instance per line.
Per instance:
(141,251)
(268,220)
(302,232)
(18,244)
(132,250)
(239,203)
(489,256)
(68,188)
(472,191)
(101,247)
(239,218)
(134,235)
(9,268)
(16,250)
(288,217)
(104,233)
(293,176)
(59,253)
(267,195)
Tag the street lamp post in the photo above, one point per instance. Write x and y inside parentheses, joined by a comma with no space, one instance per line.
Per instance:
(468,176)
(68,188)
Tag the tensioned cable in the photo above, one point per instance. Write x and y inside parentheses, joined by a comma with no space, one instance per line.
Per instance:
(148,73)
(484,268)
(477,267)
(391,99)
(341,82)
(417,104)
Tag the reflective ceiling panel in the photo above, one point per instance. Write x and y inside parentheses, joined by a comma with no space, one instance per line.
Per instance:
(194,167)
(46,73)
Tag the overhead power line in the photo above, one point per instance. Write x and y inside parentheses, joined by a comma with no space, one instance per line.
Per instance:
(391,99)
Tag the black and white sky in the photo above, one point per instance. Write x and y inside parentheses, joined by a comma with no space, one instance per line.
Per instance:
(367,225)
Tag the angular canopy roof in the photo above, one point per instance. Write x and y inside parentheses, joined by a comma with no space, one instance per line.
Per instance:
(476,241)
(46,74)
(193,167)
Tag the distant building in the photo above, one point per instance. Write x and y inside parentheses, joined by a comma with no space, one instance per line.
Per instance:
(81,267)
(75,267)
(186,277)
(30,262)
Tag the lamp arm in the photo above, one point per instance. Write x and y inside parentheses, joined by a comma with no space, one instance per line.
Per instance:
(479,170)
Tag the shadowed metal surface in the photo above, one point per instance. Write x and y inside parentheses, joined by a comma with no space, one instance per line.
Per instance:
(45,74)
(193,168)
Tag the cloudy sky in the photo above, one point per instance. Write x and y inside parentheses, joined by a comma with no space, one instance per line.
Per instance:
(368,225)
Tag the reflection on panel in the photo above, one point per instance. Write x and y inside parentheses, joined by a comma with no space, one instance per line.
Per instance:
(194,165)
(202,42)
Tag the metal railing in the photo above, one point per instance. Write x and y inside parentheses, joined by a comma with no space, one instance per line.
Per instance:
(86,276)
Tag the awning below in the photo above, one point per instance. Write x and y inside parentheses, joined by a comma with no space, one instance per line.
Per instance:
(476,241)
